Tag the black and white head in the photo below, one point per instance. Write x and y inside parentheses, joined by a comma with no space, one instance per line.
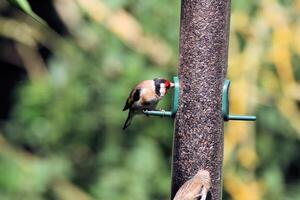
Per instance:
(162,86)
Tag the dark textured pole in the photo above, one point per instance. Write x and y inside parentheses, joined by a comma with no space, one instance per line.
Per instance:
(198,138)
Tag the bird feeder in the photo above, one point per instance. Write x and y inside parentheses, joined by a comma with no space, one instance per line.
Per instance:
(225,105)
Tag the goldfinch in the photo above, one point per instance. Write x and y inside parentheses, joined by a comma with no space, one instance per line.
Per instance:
(145,96)
(197,186)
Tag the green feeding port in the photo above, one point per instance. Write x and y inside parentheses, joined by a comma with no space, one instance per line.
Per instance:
(225,106)
(175,100)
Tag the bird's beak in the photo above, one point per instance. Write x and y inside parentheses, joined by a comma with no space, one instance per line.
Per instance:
(172,85)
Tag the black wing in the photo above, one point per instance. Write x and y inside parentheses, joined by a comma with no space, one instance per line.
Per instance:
(132,98)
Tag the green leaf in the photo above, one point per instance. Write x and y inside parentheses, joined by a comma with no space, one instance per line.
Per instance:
(24,6)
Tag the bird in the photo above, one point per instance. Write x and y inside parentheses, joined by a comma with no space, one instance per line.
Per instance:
(145,96)
(197,186)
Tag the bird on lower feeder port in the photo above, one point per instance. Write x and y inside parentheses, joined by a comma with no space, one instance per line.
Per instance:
(145,96)
(197,186)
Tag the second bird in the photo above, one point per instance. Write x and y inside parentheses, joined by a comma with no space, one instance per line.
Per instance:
(145,96)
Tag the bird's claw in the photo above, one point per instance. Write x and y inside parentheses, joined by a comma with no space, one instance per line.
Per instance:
(146,112)
(162,110)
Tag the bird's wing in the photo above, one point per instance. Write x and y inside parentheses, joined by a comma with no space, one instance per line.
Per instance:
(133,97)
(149,96)
(189,190)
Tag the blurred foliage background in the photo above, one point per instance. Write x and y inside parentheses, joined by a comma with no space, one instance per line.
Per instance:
(65,76)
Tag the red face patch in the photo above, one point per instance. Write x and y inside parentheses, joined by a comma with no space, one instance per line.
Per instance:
(168,84)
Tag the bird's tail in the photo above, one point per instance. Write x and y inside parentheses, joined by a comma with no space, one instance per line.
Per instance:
(128,120)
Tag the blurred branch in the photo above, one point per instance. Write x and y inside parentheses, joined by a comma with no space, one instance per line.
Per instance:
(69,13)
(128,30)
(10,150)
(32,61)
(27,37)
(19,31)
(28,33)
(65,190)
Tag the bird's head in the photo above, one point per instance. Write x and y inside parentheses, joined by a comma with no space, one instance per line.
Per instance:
(168,84)
(162,86)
